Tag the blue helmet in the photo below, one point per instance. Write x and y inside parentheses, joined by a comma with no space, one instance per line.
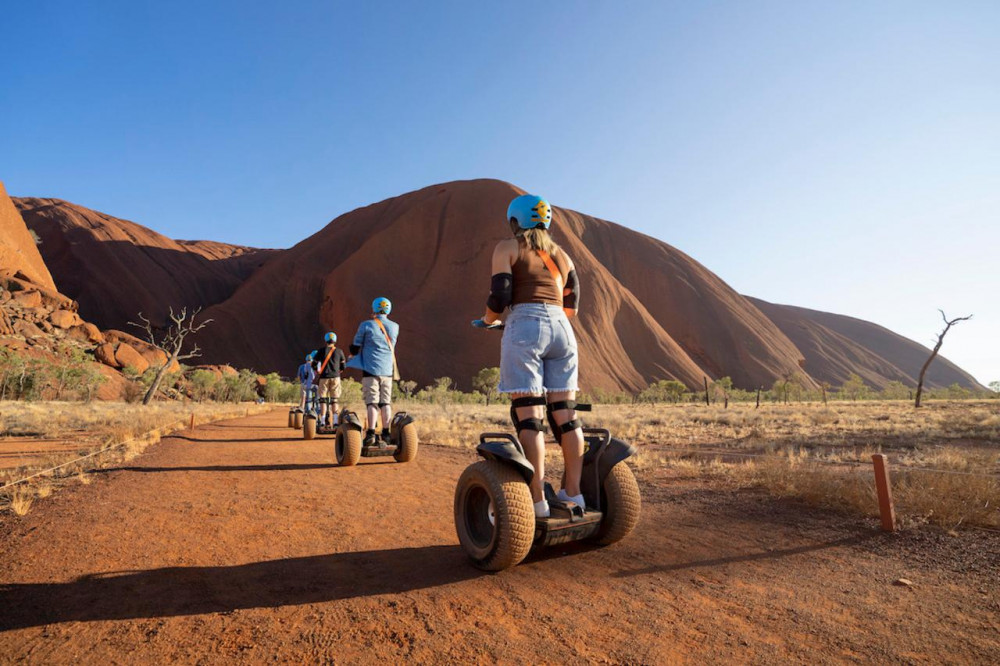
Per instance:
(330,338)
(309,357)
(381,305)
(530,212)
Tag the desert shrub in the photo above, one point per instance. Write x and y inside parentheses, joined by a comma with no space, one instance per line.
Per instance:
(895,390)
(237,388)
(69,377)
(21,378)
(665,390)
(278,390)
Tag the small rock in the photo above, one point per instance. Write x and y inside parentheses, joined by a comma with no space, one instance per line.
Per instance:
(65,319)
(28,299)
(106,354)
(903,582)
(126,355)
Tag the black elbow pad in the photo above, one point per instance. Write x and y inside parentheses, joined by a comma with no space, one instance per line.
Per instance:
(501,292)
(571,296)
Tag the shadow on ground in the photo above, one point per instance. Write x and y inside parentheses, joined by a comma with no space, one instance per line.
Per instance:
(290,467)
(173,591)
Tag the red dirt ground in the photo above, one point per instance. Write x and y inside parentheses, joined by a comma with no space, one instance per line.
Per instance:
(240,542)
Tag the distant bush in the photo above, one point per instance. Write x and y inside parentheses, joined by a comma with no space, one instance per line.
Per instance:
(69,377)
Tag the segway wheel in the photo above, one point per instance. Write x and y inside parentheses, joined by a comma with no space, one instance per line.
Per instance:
(309,427)
(291,419)
(621,503)
(407,448)
(297,422)
(348,447)
(494,515)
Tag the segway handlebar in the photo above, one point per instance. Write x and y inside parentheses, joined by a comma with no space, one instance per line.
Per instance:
(481,323)
(493,436)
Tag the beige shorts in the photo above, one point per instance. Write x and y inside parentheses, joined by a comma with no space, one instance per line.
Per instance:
(330,387)
(376,390)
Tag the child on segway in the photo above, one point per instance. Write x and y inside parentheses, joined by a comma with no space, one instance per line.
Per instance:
(306,375)
(332,363)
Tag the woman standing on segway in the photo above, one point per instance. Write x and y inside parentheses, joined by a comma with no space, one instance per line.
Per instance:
(538,355)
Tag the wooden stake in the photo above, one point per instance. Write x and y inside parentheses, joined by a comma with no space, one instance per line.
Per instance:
(885,507)
(192,420)
(758,399)
(706,391)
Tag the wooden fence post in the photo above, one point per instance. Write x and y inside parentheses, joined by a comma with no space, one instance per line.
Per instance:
(885,507)
(192,420)
(706,391)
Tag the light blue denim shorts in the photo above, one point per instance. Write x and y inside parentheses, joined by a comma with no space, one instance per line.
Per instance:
(538,352)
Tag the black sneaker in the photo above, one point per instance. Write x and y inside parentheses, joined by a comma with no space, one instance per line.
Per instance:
(370,439)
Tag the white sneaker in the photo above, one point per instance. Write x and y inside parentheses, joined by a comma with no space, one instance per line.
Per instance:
(576,499)
(542,509)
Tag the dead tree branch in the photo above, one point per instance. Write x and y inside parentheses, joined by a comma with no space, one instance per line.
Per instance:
(171,341)
(948,323)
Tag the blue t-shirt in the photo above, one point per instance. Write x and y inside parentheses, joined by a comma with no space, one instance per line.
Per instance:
(375,356)
(306,374)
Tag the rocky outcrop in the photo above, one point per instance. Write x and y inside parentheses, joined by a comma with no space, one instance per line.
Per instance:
(115,268)
(18,250)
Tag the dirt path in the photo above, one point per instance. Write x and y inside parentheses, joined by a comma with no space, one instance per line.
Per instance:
(238,542)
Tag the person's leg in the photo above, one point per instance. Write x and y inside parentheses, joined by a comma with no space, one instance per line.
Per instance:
(385,404)
(335,402)
(302,401)
(533,443)
(571,442)
(369,391)
(561,369)
(323,392)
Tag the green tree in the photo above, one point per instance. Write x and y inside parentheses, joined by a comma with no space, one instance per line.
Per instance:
(487,382)
(665,390)
(407,387)
(854,388)
(895,390)
(995,386)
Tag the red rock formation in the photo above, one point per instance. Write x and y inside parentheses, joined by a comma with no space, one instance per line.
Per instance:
(836,346)
(115,268)
(18,251)
(649,312)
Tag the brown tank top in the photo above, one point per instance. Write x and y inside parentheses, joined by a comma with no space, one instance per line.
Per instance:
(533,283)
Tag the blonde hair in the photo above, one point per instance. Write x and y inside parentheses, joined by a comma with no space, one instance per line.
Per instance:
(538,239)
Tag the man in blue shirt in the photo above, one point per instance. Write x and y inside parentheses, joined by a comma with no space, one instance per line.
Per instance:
(374,353)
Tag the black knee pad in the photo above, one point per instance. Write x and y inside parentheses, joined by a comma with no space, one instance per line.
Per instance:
(560,429)
(526,424)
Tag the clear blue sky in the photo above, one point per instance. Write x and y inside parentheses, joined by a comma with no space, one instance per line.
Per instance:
(843,156)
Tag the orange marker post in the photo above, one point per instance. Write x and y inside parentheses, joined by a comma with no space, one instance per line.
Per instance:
(885,507)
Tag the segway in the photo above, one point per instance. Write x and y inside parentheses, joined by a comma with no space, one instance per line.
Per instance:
(494,513)
(307,420)
(350,446)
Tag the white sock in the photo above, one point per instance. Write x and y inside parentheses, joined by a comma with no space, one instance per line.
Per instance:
(566,497)
(542,509)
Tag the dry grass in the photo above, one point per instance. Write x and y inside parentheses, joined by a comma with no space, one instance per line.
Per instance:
(814,452)
(91,427)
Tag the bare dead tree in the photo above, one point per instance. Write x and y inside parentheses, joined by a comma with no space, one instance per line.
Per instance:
(171,342)
(948,323)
